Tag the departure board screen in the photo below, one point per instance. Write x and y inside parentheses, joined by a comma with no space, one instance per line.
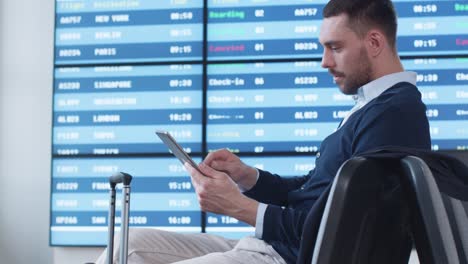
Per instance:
(272,107)
(103,31)
(247,29)
(292,107)
(110,110)
(444,87)
(161,197)
(432,27)
(282,165)
(244,75)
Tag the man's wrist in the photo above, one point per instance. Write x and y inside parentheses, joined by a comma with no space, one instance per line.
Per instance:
(246,211)
(250,179)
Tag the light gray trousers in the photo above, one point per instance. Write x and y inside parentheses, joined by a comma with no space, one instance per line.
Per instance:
(152,246)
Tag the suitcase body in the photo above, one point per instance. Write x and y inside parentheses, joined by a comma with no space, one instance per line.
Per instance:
(125,179)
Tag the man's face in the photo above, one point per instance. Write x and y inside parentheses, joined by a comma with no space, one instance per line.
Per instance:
(345,55)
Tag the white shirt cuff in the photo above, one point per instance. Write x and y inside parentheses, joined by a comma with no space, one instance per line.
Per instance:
(259,221)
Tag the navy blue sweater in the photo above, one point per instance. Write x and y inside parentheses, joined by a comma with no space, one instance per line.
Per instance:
(397,117)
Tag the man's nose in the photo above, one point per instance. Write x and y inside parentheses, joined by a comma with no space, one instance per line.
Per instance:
(327,60)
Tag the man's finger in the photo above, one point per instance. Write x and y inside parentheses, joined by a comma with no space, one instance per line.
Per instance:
(207,170)
(221,154)
(219,165)
(196,175)
(212,172)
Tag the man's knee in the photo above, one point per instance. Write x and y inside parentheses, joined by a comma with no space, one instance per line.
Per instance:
(143,237)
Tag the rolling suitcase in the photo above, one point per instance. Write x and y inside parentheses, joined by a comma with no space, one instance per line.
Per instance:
(124,178)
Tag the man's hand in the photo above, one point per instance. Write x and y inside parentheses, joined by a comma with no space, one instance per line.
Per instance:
(218,193)
(242,174)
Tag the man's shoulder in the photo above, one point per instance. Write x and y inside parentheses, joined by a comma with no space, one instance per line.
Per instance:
(400,95)
(401,91)
(401,99)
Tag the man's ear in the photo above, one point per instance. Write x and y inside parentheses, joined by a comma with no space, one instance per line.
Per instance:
(375,41)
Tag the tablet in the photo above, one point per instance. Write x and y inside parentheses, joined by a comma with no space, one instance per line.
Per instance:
(176,149)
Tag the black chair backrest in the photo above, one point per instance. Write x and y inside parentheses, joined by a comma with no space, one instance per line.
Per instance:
(457,212)
(439,221)
(365,218)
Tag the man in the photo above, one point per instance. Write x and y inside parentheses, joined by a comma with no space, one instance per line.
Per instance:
(359,40)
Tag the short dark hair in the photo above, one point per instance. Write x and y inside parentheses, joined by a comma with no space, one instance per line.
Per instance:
(365,14)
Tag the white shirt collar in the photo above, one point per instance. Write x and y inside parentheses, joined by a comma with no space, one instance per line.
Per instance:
(373,89)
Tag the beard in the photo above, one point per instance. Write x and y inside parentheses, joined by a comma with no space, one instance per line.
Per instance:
(359,76)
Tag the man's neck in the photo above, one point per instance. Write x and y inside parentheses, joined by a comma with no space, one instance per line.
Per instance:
(386,65)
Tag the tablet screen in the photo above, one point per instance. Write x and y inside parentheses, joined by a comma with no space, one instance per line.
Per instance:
(176,149)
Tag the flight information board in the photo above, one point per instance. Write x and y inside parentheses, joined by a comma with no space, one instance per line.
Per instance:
(432,27)
(103,31)
(281,165)
(110,110)
(238,74)
(162,197)
(272,107)
(292,107)
(247,29)
(444,87)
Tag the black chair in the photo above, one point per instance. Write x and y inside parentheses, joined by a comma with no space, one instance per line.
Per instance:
(365,218)
(439,221)
(375,205)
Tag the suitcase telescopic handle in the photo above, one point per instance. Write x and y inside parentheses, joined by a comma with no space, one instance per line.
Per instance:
(115,179)
(120,177)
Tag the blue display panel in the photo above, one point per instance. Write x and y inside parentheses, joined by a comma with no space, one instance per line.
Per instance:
(102,31)
(113,110)
(281,165)
(162,197)
(292,107)
(105,116)
(272,107)
(444,87)
(432,27)
(246,29)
